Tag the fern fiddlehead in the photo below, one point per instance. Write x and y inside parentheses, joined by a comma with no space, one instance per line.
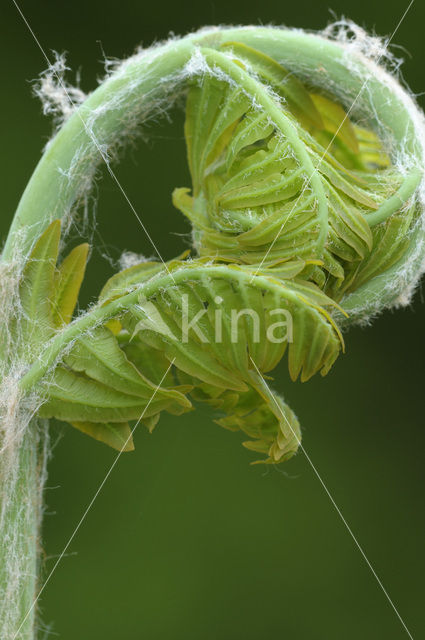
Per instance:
(303,220)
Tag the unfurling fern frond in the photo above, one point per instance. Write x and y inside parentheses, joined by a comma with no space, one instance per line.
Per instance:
(109,375)
(293,206)
(307,209)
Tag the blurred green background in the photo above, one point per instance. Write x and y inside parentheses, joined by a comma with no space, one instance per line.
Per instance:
(186,539)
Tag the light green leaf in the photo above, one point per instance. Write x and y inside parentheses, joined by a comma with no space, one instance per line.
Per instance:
(336,121)
(38,283)
(233,306)
(68,281)
(73,397)
(116,435)
(124,280)
(279,78)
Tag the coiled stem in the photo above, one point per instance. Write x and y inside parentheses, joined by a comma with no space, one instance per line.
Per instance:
(62,180)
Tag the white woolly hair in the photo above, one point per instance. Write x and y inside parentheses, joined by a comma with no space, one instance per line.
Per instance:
(57,96)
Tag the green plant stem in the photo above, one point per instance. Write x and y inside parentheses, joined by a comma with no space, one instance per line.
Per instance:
(21,469)
(393,204)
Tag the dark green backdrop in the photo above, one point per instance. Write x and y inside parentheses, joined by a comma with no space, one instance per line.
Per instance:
(187,540)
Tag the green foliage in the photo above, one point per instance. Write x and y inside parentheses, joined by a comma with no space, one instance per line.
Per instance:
(253,201)
(49,293)
(69,277)
(110,374)
(271,244)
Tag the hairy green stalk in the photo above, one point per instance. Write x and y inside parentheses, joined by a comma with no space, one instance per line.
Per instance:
(20,530)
